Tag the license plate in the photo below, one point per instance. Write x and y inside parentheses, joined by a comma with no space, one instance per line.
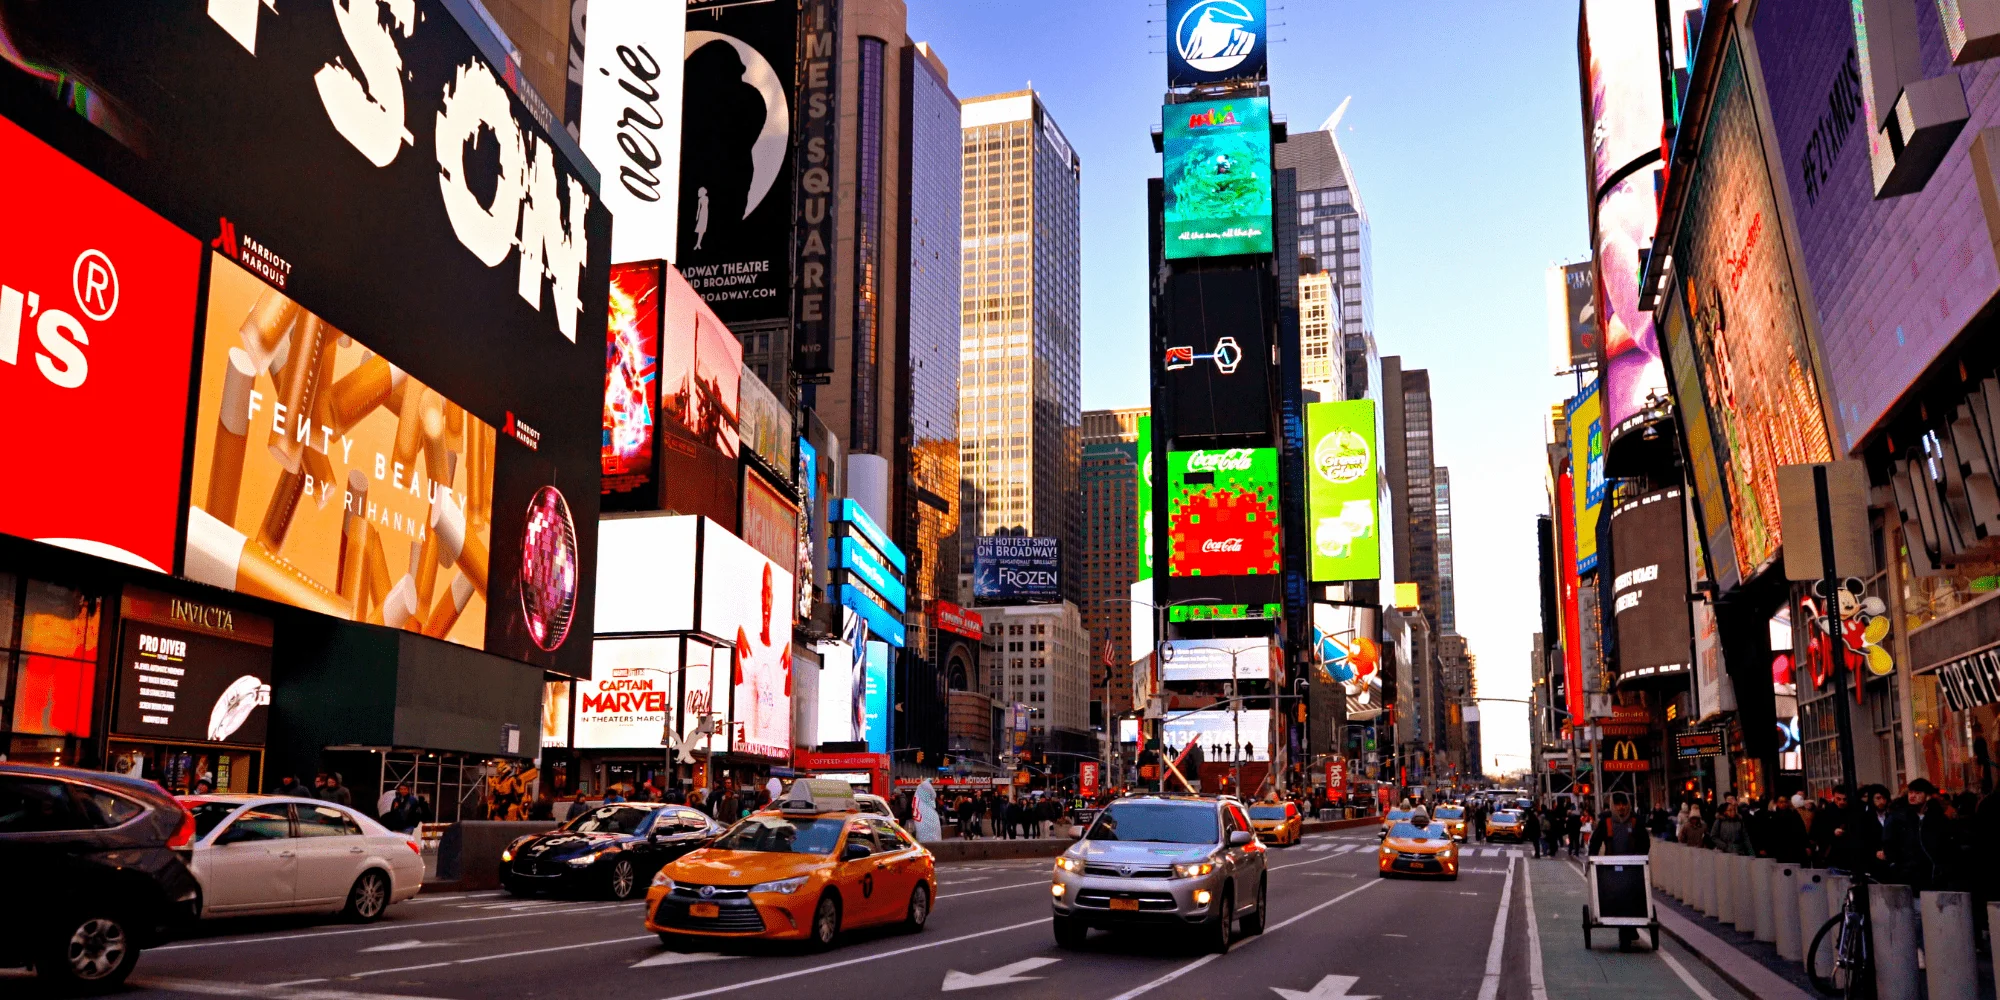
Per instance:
(704,910)
(1124,904)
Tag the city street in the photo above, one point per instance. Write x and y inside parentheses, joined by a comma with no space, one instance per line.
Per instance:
(1336,931)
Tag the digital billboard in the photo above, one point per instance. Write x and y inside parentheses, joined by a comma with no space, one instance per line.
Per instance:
(629,117)
(1715,549)
(1748,340)
(1143,455)
(1216,364)
(1212,40)
(701,365)
(1218,177)
(1894,279)
(1016,570)
(1633,370)
(1216,732)
(1574,337)
(735,212)
(1217,659)
(765,423)
(1222,512)
(1584,417)
(770,521)
(1567,588)
(1341,490)
(632,693)
(632,388)
(747,603)
(1345,652)
(1650,588)
(93,380)
(192,672)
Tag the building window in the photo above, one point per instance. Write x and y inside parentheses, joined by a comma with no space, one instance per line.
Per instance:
(867,247)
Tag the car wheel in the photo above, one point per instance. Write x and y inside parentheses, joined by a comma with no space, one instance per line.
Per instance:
(89,953)
(622,879)
(1223,930)
(1254,923)
(1070,932)
(920,909)
(369,898)
(826,922)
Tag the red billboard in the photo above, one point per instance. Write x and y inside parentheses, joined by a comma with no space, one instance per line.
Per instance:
(958,621)
(631,386)
(97,299)
(1566,581)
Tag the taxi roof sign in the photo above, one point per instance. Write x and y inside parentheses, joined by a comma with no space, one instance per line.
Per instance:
(818,795)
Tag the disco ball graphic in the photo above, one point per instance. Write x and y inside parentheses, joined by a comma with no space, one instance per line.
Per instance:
(548,569)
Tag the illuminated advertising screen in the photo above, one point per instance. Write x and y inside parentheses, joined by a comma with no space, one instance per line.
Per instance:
(632,388)
(1216,659)
(1573,331)
(1143,459)
(1715,549)
(1585,418)
(1011,570)
(1566,586)
(1218,177)
(1340,492)
(412,201)
(854,687)
(701,365)
(1217,731)
(555,714)
(1345,653)
(1215,368)
(747,603)
(1894,279)
(770,521)
(1633,370)
(765,423)
(1222,512)
(192,672)
(93,378)
(1650,589)
(1748,340)
(1213,40)
(630,696)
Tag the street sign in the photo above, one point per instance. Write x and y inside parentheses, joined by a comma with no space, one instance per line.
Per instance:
(1086,773)
(1847,510)
(1700,744)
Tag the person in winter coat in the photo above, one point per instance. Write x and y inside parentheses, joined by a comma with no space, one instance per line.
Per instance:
(1922,844)
(1694,829)
(1730,834)
(1780,833)
(1531,828)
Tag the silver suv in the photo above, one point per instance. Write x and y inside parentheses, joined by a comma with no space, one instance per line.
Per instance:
(1172,861)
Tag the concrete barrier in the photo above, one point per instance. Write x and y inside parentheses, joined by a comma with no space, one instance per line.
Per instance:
(996,850)
(1745,903)
(469,854)
(1785,911)
(1951,963)
(1725,893)
(1992,921)
(1892,917)
(1765,925)
(1812,907)
(1704,881)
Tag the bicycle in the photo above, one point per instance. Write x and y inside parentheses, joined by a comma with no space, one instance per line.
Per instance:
(1852,973)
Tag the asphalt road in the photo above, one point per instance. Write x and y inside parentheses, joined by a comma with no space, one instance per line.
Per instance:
(1336,930)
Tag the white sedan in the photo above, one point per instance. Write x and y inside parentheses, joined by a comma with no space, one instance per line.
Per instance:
(277,854)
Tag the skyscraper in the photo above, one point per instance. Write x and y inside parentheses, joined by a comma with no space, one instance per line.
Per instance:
(1447,600)
(1333,234)
(1110,562)
(1322,351)
(1020,328)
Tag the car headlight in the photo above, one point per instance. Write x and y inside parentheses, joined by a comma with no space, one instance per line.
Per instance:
(506,855)
(783,885)
(1069,864)
(586,860)
(661,881)
(1195,869)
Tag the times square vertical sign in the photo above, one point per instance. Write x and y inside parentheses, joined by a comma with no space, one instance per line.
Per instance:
(815,153)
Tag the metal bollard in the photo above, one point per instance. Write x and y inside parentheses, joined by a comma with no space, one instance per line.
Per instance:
(1725,894)
(1785,911)
(1764,926)
(1892,916)
(1951,964)
(1812,907)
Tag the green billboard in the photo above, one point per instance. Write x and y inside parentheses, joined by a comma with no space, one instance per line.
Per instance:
(1341,491)
(1217,177)
(1222,512)
(1144,457)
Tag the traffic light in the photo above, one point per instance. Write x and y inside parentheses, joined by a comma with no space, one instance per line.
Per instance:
(920,756)
(1302,713)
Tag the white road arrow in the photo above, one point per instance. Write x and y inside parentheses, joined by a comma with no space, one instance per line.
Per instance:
(678,958)
(1329,988)
(410,945)
(956,980)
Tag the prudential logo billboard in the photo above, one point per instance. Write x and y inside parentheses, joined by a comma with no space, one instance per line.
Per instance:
(1211,40)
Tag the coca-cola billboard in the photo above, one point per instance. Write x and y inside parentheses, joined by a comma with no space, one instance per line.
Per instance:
(1222,512)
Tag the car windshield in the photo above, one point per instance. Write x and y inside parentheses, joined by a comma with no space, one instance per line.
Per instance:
(1411,831)
(778,835)
(1506,817)
(1399,814)
(1163,822)
(1451,813)
(619,819)
(208,815)
(1267,812)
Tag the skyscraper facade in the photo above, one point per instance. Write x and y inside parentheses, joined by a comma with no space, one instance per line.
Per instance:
(1322,354)
(1110,562)
(1333,235)
(1447,592)
(1020,401)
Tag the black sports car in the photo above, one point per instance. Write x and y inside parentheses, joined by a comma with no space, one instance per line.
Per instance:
(609,850)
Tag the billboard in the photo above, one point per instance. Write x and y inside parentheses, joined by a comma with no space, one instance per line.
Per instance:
(632,388)
(1216,366)
(1633,370)
(630,123)
(747,603)
(1016,570)
(736,165)
(765,423)
(1345,652)
(1715,550)
(632,693)
(1341,490)
(1217,659)
(816,161)
(98,368)
(1217,731)
(1222,512)
(1567,589)
(328,479)
(701,365)
(1218,177)
(1747,338)
(1585,418)
(1212,40)
(1894,279)
(1574,338)
(555,714)
(192,672)
(770,521)
(1143,455)
(1650,588)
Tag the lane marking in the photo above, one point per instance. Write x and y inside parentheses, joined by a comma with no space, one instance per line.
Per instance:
(679,958)
(1687,978)
(452,897)
(398,926)
(1009,973)
(1205,959)
(997,888)
(206,987)
(1489,984)
(858,960)
(1538,988)
(504,954)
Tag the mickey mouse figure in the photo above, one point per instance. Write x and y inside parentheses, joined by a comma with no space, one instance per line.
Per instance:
(1864,625)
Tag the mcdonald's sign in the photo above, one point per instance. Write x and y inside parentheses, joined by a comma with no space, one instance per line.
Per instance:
(1625,755)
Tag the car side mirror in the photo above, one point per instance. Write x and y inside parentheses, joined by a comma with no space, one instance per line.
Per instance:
(1237,838)
(855,852)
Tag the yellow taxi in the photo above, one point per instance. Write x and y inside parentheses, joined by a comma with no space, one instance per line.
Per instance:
(1453,818)
(806,870)
(1504,823)
(1278,823)
(1410,849)
(1393,817)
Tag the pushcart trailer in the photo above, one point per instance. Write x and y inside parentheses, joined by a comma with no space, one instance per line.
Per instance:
(1619,895)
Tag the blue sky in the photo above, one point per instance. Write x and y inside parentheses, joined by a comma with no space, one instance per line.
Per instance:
(1465,139)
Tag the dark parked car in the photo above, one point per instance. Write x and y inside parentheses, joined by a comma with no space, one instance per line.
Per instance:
(96,869)
(610,850)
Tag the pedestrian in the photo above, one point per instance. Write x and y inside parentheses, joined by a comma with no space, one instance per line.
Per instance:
(203,786)
(1531,829)
(397,816)
(1922,841)
(1618,833)
(1580,828)
(698,798)
(1694,829)
(729,808)
(1780,833)
(290,785)
(1730,834)
(335,791)
(544,807)
(675,794)
(319,786)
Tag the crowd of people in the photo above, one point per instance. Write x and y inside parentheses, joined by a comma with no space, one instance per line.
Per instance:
(989,814)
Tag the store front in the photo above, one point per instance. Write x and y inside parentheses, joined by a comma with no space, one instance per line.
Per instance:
(191,690)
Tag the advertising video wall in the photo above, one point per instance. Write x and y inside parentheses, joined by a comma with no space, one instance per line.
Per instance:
(1143,488)
(1216,732)
(1222,512)
(1218,177)
(1213,40)
(1216,659)
(1584,415)
(632,388)
(1650,588)
(633,691)
(747,602)
(854,687)
(1345,652)
(1341,466)
(1216,368)
(1748,339)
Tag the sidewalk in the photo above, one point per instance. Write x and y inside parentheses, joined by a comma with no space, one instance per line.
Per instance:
(1554,891)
